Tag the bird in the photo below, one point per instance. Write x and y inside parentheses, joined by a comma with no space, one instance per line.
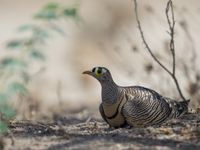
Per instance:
(135,106)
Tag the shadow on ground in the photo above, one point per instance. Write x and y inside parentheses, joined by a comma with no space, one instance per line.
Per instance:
(79,131)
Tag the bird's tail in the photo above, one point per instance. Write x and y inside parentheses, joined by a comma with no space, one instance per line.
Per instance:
(178,108)
(181,108)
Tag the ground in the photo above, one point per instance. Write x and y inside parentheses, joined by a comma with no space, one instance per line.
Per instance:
(81,130)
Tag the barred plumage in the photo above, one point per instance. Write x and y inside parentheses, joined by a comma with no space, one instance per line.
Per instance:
(135,105)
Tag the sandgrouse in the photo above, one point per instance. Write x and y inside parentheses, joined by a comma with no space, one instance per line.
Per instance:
(134,105)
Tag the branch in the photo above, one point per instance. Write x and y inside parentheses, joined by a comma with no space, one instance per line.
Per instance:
(144,40)
(171,24)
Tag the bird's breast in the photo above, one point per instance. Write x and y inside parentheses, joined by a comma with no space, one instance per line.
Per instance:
(113,113)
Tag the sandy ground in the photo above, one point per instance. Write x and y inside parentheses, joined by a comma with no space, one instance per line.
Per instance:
(112,41)
(82,130)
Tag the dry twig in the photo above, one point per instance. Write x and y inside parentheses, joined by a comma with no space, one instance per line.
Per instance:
(171,24)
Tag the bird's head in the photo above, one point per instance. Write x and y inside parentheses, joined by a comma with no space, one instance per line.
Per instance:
(102,74)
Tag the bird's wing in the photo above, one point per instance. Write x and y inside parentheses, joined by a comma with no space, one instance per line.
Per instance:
(145,107)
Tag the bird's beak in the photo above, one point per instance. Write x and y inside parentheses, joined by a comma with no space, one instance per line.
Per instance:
(87,72)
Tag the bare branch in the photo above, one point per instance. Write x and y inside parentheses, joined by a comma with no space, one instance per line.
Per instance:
(144,40)
(171,24)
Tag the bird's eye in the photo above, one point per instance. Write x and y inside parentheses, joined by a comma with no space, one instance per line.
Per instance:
(99,71)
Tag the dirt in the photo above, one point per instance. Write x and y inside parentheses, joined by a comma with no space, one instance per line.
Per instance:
(85,131)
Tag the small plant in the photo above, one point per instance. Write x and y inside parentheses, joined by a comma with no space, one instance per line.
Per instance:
(14,74)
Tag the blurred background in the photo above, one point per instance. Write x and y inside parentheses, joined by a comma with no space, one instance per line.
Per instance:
(46,45)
